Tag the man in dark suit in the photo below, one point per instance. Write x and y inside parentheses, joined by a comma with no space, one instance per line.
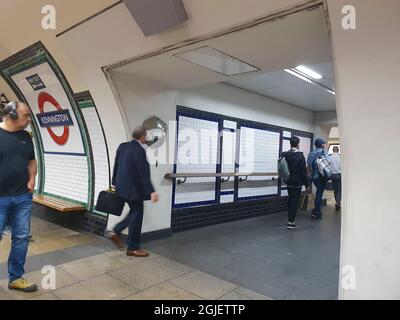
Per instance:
(131,179)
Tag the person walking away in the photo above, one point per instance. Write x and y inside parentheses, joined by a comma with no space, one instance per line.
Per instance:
(298,178)
(336,169)
(317,179)
(132,183)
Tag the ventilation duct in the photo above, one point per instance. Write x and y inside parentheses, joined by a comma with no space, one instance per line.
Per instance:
(155,16)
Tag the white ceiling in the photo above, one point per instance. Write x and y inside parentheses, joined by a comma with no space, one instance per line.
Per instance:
(300,39)
(283,86)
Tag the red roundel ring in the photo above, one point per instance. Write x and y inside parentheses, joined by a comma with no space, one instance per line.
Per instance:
(42,99)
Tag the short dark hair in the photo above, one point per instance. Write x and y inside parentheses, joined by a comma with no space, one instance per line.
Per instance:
(336,149)
(139,132)
(294,142)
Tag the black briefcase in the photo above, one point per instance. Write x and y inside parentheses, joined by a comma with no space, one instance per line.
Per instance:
(109,202)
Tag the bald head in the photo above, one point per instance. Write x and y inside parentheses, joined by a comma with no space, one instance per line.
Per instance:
(22,121)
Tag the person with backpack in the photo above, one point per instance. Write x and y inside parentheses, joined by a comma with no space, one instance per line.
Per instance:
(335,163)
(318,167)
(293,171)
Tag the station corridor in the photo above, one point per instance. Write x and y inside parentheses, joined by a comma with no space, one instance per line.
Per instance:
(254,259)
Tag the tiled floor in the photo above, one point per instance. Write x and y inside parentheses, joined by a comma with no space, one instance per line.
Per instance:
(88,267)
(48,237)
(261,255)
(249,259)
(111,276)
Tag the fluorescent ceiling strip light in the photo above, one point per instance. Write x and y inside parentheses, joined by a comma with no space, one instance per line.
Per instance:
(309,72)
(216,61)
(300,76)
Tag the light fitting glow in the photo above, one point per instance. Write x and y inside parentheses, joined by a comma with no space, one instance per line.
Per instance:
(309,72)
(217,61)
(298,75)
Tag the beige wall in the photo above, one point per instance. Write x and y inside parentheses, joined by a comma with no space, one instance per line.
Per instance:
(367,81)
(20,27)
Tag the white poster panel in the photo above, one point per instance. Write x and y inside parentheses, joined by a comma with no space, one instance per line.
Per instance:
(59,128)
(197,152)
(264,147)
(286,145)
(305,146)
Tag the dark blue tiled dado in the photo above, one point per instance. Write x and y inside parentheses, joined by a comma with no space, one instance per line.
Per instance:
(197,217)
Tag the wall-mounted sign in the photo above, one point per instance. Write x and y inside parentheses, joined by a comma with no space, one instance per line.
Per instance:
(36,82)
(58,132)
(55,119)
(59,118)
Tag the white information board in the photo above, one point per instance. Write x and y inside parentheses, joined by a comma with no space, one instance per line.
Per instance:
(261,148)
(197,152)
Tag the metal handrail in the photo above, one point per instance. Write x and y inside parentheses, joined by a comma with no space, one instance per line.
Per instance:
(219,175)
(182,177)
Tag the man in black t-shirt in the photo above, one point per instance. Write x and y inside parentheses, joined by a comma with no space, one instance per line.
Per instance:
(18,170)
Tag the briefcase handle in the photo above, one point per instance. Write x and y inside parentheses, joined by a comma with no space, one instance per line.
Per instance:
(111,189)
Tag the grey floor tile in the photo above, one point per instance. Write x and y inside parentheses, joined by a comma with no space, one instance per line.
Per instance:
(146,274)
(4,295)
(243,294)
(103,287)
(204,285)
(55,258)
(164,291)
(85,251)
(92,267)
(332,275)
(261,255)
(312,266)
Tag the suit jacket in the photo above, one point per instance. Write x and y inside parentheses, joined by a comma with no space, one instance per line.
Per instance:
(131,175)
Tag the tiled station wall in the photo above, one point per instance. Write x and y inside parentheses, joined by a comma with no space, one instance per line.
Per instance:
(244,147)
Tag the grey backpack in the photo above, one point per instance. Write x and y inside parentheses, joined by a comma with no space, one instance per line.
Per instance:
(283,169)
(324,168)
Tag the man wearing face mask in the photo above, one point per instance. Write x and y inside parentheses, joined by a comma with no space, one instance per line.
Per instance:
(17,182)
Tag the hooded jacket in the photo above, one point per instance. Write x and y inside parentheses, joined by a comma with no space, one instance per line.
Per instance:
(297,168)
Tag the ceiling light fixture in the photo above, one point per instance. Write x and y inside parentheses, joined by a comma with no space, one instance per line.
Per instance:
(309,72)
(298,75)
(295,73)
(216,60)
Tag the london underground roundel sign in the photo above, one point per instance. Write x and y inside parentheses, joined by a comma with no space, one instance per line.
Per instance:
(59,118)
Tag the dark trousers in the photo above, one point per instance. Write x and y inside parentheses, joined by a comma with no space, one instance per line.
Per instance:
(134,221)
(320,185)
(337,187)
(294,198)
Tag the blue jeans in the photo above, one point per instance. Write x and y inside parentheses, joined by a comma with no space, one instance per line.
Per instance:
(320,185)
(133,221)
(17,211)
